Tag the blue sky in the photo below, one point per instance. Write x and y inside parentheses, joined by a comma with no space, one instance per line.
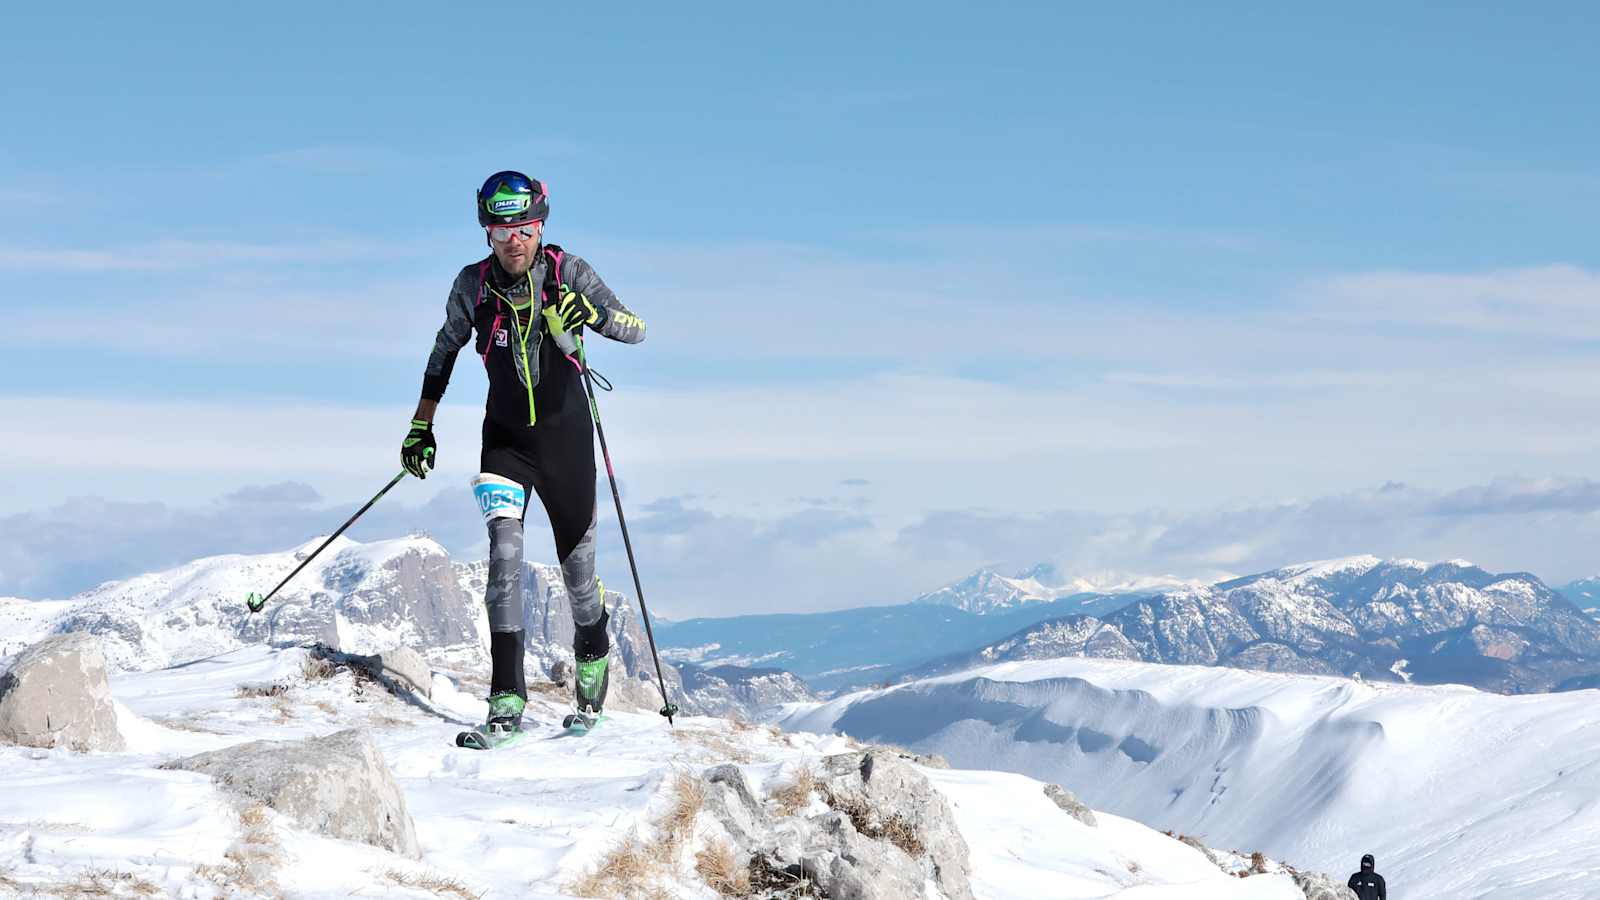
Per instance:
(906,267)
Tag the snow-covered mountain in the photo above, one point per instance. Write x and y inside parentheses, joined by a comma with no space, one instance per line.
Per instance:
(553,817)
(1585,594)
(986,590)
(1458,792)
(355,597)
(358,597)
(1395,620)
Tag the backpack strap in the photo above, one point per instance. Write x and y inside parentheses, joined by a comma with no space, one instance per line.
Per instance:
(483,282)
(550,291)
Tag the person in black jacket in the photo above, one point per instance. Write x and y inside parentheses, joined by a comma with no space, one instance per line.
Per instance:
(1367,883)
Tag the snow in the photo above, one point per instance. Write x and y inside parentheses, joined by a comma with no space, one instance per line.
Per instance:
(1349,565)
(1457,792)
(523,822)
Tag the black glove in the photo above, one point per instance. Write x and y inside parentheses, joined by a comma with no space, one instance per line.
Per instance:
(575,309)
(416,453)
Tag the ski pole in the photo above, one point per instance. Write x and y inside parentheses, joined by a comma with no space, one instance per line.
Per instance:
(570,346)
(256,603)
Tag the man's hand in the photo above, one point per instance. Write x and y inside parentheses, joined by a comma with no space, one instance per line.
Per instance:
(416,452)
(575,309)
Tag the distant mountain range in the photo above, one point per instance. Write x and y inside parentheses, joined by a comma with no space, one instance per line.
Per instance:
(1383,620)
(1585,594)
(987,591)
(855,647)
(360,598)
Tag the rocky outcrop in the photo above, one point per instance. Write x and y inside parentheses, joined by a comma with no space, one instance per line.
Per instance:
(1071,805)
(740,691)
(885,794)
(337,786)
(1317,886)
(56,695)
(886,830)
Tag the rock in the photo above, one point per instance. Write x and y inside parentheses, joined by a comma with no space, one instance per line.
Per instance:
(1204,850)
(893,801)
(931,760)
(406,666)
(730,801)
(56,695)
(1071,805)
(846,865)
(1317,886)
(337,785)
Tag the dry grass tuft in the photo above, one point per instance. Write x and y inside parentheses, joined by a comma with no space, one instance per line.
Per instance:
(1258,863)
(252,859)
(688,797)
(623,872)
(893,829)
(789,799)
(318,668)
(722,871)
(438,885)
(249,691)
(89,883)
(631,868)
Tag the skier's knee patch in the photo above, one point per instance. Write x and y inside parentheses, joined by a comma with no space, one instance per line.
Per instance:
(499,497)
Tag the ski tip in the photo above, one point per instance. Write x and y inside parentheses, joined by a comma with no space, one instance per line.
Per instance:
(254,602)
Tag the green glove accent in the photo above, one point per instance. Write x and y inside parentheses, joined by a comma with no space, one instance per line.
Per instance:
(577,310)
(418,449)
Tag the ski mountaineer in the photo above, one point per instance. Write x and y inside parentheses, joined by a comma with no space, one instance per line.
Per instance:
(538,436)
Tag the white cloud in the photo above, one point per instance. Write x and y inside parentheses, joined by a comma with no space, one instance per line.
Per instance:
(1555,301)
(174,254)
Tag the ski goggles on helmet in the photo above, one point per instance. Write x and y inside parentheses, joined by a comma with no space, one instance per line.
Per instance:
(510,198)
(501,234)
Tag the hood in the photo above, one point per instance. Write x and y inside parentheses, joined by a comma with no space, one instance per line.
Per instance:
(1368,863)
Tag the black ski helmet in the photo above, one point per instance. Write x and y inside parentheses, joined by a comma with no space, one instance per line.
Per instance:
(510,198)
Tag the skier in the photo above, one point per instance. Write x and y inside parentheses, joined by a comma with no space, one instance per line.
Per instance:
(538,436)
(1367,883)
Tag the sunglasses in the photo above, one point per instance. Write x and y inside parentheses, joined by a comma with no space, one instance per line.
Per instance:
(501,234)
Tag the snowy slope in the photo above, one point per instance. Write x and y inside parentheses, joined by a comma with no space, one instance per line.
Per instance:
(526,822)
(1459,793)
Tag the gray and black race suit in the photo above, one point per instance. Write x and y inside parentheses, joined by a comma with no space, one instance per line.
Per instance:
(537,433)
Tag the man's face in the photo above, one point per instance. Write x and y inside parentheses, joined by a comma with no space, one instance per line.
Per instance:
(514,245)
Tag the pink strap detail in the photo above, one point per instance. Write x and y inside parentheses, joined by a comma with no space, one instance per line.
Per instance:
(483,282)
(555,260)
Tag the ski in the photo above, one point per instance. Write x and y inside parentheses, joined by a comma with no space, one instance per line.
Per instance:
(481,738)
(581,723)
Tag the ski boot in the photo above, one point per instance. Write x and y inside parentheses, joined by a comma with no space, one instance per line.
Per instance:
(589,692)
(592,650)
(504,725)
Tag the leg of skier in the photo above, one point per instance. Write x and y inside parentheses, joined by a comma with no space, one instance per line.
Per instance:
(503,500)
(565,483)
